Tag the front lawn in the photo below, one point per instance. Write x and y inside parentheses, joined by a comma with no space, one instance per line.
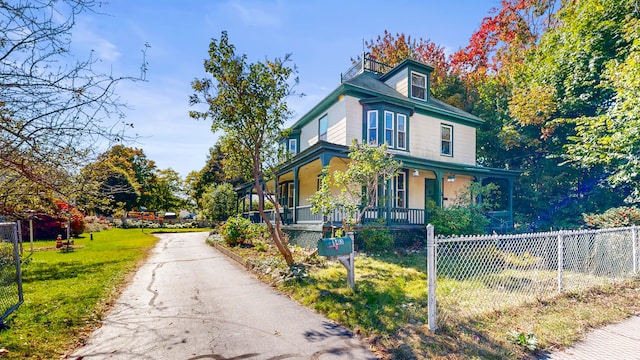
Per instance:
(67,293)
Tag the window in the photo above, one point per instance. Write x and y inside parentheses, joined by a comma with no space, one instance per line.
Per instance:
(323,127)
(401,191)
(290,195)
(401,121)
(447,140)
(418,86)
(388,128)
(372,127)
(293,146)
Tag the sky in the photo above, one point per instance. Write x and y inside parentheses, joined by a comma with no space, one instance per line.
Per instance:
(321,36)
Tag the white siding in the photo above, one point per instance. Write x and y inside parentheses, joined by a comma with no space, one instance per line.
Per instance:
(400,82)
(354,114)
(337,126)
(424,140)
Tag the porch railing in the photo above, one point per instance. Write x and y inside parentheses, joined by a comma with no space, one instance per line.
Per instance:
(366,64)
(389,216)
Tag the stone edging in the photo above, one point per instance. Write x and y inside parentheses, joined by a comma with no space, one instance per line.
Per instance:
(237,258)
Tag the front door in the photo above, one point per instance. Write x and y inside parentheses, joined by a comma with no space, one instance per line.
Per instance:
(430,191)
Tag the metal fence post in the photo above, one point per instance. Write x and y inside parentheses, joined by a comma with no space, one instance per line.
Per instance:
(634,245)
(431,277)
(16,256)
(560,260)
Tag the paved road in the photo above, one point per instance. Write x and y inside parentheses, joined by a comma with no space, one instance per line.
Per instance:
(616,342)
(191,302)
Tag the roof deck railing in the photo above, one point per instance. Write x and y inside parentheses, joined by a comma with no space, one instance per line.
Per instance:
(366,63)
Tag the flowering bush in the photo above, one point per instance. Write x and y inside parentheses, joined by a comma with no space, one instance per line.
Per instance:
(615,217)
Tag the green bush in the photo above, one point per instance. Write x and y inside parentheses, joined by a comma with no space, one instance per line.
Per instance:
(376,238)
(235,230)
(458,220)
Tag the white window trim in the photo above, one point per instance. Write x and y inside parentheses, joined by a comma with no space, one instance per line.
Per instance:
(293,143)
(369,128)
(393,119)
(442,140)
(325,118)
(400,179)
(423,88)
(290,195)
(404,132)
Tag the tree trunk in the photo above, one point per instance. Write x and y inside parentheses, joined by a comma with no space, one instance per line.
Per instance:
(275,230)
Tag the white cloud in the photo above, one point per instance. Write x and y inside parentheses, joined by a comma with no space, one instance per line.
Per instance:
(261,14)
(105,50)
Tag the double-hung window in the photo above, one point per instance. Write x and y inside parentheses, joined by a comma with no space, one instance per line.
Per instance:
(418,86)
(401,191)
(401,121)
(388,128)
(323,126)
(446,135)
(372,127)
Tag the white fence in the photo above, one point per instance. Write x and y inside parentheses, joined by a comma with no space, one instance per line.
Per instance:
(469,275)
(10,276)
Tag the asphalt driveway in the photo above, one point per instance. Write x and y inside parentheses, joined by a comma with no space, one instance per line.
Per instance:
(189,301)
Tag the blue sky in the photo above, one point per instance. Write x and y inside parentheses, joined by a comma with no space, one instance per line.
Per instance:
(322,37)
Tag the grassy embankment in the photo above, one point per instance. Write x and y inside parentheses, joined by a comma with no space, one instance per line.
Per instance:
(389,309)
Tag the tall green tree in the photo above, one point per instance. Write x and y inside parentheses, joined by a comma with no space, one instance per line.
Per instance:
(611,138)
(563,80)
(247,102)
(219,202)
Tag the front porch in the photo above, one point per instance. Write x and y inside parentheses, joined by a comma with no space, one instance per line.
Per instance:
(405,200)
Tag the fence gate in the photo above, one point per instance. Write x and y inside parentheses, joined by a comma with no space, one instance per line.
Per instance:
(10,276)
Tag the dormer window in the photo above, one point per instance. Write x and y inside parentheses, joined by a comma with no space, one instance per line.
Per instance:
(418,86)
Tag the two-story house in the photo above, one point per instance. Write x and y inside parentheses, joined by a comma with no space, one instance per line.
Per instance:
(435,142)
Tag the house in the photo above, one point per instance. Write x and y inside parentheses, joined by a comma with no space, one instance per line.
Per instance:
(435,142)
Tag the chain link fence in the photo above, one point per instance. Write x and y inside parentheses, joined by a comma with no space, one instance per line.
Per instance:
(482,273)
(10,276)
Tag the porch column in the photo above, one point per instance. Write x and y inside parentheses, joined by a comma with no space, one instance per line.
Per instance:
(389,194)
(296,195)
(439,187)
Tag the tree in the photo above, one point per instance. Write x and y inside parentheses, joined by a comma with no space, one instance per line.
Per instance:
(168,191)
(246,102)
(53,107)
(355,190)
(611,139)
(219,202)
(211,174)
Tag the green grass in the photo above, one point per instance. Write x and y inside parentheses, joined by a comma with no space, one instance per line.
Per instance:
(67,293)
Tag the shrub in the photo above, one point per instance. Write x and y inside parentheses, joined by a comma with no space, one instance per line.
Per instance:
(236,230)
(376,238)
(458,220)
(615,217)
(261,245)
